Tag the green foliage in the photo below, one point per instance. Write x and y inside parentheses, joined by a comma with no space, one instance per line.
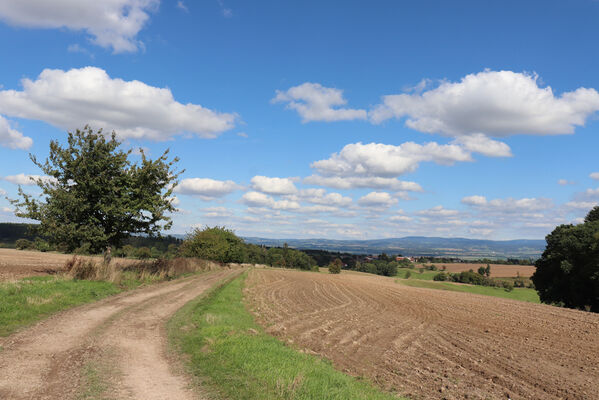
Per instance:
(96,195)
(335,266)
(441,276)
(568,271)
(217,244)
(235,358)
(481,270)
(408,274)
(142,253)
(24,244)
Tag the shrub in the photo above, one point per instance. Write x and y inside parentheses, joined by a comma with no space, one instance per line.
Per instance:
(421,270)
(23,244)
(143,253)
(217,244)
(407,275)
(508,286)
(441,276)
(335,266)
(314,268)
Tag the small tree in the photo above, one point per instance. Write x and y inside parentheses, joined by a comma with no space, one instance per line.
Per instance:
(335,266)
(482,270)
(216,244)
(95,196)
(488,271)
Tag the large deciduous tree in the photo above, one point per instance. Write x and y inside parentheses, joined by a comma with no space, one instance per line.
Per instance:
(94,195)
(568,271)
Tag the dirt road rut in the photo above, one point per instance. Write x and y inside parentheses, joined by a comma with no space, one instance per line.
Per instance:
(122,339)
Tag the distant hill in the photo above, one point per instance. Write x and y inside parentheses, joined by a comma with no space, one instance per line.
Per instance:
(419,246)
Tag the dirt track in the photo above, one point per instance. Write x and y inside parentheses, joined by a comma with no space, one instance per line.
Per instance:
(122,337)
(431,344)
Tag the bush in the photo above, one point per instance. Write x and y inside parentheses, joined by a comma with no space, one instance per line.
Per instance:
(42,245)
(441,276)
(314,268)
(23,244)
(508,286)
(335,266)
(407,275)
(143,253)
(217,244)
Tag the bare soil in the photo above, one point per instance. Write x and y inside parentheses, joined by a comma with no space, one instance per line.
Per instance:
(125,334)
(431,344)
(497,270)
(16,264)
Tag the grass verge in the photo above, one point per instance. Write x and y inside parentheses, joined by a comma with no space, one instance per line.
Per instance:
(522,294)
(31,299)
(416,274)
(235,359)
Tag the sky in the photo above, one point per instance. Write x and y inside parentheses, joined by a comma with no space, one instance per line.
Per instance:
(312,119)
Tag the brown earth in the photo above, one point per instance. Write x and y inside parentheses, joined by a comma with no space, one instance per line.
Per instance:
(15,264)
(431,344)
(122,339)
(497,270)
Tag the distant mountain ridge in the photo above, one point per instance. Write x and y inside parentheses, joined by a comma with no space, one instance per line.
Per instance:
(419,246)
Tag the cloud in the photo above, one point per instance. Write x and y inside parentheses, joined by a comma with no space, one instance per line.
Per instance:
(227,12)
(582,205)
(479,143)
(320,196)
(565,182)
(27,180)
(2,192)
(181,5)
(273,185)
(508,205)
(206,188)
(493,103)
(314,102)
(594,175)
(217,212)
(111,24)
(257,199)
(438,211)
(174,201)
(384,160)
(12,138)
(75,48)
(77,97)
(242,134)
(372,182)
(377,199)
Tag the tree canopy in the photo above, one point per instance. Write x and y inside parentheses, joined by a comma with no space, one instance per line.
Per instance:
(568,271)
(95,196)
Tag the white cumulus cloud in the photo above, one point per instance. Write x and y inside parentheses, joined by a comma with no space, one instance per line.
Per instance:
(493,103)
(258,199)
(320,196)
(71,99)
(314,102)
(206,188)
(377,199)
(110,23)
(594,175)
(12,138)
(438,211)
(268,185)
(356,182)
(479,143)
(509,205)
(27,180)
(385,160)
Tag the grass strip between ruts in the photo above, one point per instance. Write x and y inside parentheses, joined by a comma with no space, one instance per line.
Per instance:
(233,358)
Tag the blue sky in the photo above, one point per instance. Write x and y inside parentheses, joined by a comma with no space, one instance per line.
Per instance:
(322,119)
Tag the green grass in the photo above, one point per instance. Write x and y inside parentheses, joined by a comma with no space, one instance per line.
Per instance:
(522,294)
(235,359)
(415,274)
(31,299)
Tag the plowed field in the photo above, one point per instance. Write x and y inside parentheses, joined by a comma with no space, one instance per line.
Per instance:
(431,344)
